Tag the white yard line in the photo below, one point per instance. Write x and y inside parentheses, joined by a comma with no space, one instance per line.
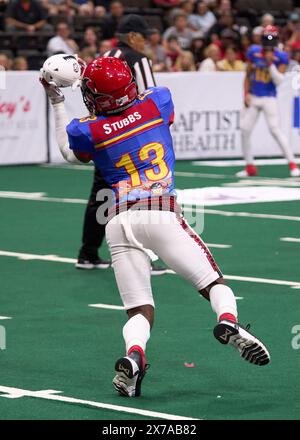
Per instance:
(106,306)
(40,197)
(68,167)
(15,393)
(242,214)
(239,163)
(4,317)
(219,246)
(113,307)
(177,173)
(55,258)
(206,175)
(290,239)
(23,256)
(262,280)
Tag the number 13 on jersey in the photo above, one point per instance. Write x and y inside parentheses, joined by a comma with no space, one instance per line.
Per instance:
(144,155)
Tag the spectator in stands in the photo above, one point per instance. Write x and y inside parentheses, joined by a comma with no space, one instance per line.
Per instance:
(56,7)
(26,15)
(230,63)
(203,19)
(294,41)
(87,54)
(105,46)
(62,43)
(84,8)
(102,4)
(167,3)
(156,52)
(223,7)
(184,7)
(294,61)
(113,19)
(20,63)
(185,62)
(225,22)
(173,50)
(5,62)
(291,26)
(228,37)
(3,5)
(257,35)
(90,39)
(181,31)
(197,48)
(267,20)
(187,6)
(212,56)
(100,11)
(245,44)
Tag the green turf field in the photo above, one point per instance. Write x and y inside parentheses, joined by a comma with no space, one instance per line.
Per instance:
(56,341)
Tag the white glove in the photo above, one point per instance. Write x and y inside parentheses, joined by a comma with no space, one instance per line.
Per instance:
(53,92)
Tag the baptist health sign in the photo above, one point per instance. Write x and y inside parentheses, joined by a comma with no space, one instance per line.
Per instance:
(2,338)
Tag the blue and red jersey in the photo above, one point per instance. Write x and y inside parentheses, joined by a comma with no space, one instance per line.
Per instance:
(261,83)
(132,150)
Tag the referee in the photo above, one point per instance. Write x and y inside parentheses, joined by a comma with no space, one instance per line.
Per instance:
(131,33)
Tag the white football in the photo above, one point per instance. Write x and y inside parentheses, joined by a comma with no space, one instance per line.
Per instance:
(63,69)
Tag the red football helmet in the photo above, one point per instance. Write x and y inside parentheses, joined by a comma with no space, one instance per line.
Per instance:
(108,85)
(270,36)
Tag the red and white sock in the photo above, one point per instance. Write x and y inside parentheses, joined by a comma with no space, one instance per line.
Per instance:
(136,333)
(223,302)
(141,351)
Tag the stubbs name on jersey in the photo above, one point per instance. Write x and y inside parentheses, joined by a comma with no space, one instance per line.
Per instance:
(115,126)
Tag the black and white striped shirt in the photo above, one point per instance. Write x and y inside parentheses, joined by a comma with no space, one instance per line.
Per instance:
(138,63)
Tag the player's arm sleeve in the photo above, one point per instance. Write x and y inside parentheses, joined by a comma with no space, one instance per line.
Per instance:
(277,73)
(79,142)
(166,105)
(61,121)
(250,54)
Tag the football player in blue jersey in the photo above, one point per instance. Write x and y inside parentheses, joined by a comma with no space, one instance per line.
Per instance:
(128,138)
(265,71)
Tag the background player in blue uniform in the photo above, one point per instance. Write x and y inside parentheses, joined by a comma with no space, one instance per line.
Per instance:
(129,140)
(266,67)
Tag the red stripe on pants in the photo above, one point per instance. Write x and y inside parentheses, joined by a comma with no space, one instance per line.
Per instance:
(198,240)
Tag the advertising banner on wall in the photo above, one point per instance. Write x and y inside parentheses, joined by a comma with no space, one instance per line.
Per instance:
(23,119)
(207,117)
(207,113)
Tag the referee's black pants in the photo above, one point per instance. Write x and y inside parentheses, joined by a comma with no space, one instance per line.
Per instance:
(93,232)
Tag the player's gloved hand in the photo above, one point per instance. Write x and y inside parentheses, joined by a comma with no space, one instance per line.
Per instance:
(53,92)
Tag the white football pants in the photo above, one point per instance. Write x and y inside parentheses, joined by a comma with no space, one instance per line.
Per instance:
(248,119)
(131,234)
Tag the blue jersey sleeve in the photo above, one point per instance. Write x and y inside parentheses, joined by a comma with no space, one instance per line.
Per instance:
(283,58)
(163,99)
(79,140)
(250,53)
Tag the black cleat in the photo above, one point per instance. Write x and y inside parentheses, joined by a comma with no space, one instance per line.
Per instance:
(130,374)
(89,263)
(158,270)
(249,347)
